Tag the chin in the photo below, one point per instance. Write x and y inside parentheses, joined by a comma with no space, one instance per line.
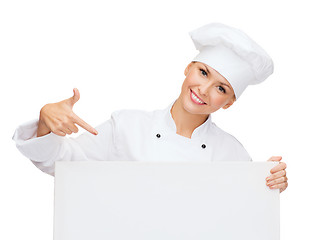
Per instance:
(193,108)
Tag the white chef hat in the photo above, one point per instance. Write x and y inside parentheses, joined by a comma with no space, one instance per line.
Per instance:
(233,54)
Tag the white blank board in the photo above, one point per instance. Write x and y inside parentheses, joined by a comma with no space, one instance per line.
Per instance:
(122,200)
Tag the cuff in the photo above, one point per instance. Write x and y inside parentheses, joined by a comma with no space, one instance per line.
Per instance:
(36,148)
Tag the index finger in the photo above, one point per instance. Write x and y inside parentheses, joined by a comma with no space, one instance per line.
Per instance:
(84,125)
(275,158)
(281,166)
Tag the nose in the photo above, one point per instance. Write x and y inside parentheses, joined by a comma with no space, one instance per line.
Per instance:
(204,88)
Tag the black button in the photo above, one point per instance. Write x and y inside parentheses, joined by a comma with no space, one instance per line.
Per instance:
(203,146)
(158,135)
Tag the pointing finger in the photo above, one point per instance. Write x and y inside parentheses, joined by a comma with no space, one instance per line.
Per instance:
(84,125)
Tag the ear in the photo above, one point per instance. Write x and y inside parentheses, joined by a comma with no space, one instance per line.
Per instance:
(230,103)
(188,68)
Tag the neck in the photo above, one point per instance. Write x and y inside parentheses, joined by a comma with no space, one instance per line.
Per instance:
(186,122)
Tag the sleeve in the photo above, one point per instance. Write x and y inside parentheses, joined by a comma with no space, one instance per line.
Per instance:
(44,151)
(238,151)
(241,153)
(231,149)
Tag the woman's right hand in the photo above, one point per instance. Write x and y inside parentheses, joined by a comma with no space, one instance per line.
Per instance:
(60,119)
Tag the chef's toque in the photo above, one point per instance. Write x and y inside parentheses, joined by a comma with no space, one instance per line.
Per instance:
(233,54)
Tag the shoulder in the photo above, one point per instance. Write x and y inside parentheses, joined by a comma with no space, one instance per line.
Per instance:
(225,136)
(230,143)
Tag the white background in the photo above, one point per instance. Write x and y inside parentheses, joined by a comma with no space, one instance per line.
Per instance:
(132,54)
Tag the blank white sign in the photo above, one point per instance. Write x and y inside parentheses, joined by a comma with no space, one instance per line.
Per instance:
(122,200)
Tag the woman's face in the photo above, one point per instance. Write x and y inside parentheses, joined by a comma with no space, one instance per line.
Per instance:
(204,90)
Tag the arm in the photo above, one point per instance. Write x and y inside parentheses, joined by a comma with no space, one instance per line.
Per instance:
(44,142)
(44,151)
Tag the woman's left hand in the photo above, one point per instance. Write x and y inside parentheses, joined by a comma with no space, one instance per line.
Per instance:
(277,179)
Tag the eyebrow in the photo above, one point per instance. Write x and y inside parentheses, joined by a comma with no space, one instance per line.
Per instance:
(207,69)
(225,84)
(212,74)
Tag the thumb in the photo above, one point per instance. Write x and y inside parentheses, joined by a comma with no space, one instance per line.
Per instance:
(75,97)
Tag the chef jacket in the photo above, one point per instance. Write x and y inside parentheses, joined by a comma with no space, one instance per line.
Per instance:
(130,135)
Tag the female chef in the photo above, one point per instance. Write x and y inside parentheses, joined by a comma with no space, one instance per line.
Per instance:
(228,61)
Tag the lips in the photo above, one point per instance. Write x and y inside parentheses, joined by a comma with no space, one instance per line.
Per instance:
(196,99)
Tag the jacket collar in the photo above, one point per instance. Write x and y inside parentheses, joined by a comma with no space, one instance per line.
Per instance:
(200,131)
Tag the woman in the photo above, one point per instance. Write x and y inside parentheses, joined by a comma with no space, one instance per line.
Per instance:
(228,62)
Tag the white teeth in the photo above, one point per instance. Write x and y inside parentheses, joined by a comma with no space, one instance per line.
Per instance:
(196,98)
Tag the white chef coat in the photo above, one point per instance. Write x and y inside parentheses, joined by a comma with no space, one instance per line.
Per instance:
(132,135)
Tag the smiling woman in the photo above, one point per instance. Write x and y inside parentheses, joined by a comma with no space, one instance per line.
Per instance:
(215,73)
(207,88)
(227,63)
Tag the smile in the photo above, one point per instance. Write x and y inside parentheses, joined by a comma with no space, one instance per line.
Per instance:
(196,99)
